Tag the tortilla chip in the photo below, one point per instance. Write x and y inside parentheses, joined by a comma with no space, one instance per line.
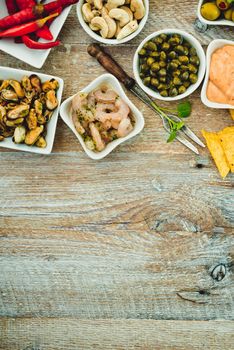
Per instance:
(227,142)
(215,147)
(228,130)
(232,113)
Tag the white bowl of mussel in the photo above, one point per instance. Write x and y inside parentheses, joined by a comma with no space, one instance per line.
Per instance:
(169,64)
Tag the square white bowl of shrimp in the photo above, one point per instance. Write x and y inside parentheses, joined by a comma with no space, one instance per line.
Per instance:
(127,130)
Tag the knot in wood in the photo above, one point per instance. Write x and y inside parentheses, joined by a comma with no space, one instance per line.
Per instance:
(219,272)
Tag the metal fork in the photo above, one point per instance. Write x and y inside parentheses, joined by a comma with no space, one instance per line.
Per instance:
(114,68)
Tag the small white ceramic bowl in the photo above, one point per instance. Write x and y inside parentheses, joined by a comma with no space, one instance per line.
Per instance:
(200,52)
(109,80)
(214,45)
(218,22)
(8,73)
(99,38)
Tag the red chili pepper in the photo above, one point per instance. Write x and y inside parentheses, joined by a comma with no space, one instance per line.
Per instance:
(25,28)
(11,6)
(37,45)
(32,13)
(45,32)
(23,4)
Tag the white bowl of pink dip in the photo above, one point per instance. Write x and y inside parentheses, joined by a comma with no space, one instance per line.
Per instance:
(218,86)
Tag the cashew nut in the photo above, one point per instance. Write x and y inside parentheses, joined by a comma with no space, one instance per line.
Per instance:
(87,12)
(101,24)
(112,4)
(129,12)
(94,28)
(130,28)
(110,22)
(118,29)
(138,8)
(98,4)
(120,15)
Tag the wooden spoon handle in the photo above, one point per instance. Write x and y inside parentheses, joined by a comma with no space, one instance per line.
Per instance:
(110,65)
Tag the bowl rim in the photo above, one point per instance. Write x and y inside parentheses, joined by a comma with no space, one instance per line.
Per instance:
(220,22)
(200,53)
(111,80)
(98,38)
(214,45)
(50,141)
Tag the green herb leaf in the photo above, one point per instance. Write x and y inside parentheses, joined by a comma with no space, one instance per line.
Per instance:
(172,136)
(179,125)
(184,109)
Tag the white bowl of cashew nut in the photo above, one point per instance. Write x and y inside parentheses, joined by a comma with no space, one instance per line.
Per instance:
(113,21)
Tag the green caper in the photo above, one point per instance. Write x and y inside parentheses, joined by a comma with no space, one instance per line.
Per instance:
(174,41)
(176,62)
(187,44)
(192,68)
(183,67)
(146,81)
(177,81)
(150,45)
(144,68)
(179,49)
(150,61)
(172,66)
(154,54)
(162,64)
(195,60)
(163,93)
(186,51)
(163,36)
(193,78)
(165,46)
(173,92)
(185,75)
(177,36)
(142,75)
(158,40)
(184,59)
(142,52)
(153,74)
(182,89)
(162,72)
(186,83)
(192,51)
(176,73)
(163,79)
(162,86)
(172,55)
(163,56)
(154,82)
(155,67)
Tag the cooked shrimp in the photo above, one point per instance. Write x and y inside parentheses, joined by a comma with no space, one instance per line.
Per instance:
(79,101)
(77,124)
(125,127)
(103,111)
(108,96)
(100,145)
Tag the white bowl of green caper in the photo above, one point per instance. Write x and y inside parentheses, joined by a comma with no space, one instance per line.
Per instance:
(169,64)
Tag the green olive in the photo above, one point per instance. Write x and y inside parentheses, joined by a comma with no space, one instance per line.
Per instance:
(150,61)
(146,81)
(165,46)
(163,93)
(193,78)
(172,55)
(185,76)
(162,72)
(154,82)
(162,64)
(184,59)
(173,92)
(182,89)
(195,60)
(192,68)
(177,81)
(179,49)
(142,52)
(155,67)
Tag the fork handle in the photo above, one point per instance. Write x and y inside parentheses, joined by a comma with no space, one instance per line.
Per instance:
(110,65)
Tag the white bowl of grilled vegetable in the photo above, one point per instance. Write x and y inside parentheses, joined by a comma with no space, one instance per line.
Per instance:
(113,21)
(102,116)
(29,104)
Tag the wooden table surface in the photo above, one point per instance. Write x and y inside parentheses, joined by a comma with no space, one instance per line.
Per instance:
(131,252)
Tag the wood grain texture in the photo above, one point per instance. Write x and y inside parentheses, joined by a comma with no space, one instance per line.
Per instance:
(119,253)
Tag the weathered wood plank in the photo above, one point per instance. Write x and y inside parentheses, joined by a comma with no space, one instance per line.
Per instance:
(73,334)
